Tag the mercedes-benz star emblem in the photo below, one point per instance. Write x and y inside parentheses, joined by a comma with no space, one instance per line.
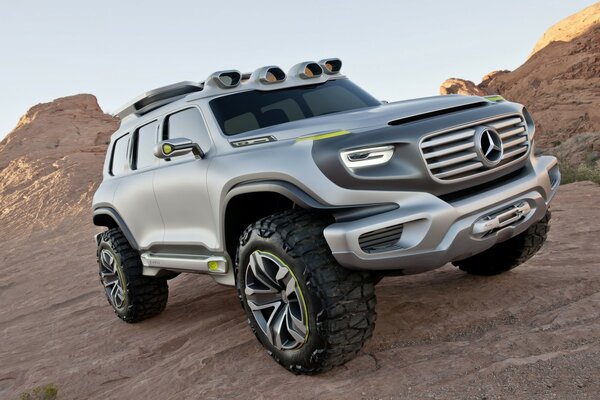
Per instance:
(488,146)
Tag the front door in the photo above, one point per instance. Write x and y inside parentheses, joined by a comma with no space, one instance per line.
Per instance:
(180,185)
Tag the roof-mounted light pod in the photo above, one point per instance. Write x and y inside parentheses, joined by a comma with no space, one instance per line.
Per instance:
(331,66)
(271,74)
(307,70)
(226,79)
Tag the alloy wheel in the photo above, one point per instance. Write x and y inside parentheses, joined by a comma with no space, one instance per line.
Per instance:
(276,301)
(111,279)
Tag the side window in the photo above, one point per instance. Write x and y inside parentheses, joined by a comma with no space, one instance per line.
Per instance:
(119,161)
(145,140)
(241,123)
(187,123)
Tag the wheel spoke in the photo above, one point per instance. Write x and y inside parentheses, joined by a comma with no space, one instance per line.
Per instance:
(290,288)
(108,282)
(108,261)
(276,326)
(113,290)
(119,296)
(260,272)
(254,306)
(253,290)
(295,327)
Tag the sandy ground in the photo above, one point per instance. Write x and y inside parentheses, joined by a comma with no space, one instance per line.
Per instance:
(532,333)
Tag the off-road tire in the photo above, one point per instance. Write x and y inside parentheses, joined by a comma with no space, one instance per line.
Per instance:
(509,254)
(145,296)
(340,302)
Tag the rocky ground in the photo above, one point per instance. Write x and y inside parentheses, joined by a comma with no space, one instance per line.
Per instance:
(530,333)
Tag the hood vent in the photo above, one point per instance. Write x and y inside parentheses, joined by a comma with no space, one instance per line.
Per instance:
(437,113)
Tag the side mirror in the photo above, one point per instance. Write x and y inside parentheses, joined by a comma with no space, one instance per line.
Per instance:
(177,147)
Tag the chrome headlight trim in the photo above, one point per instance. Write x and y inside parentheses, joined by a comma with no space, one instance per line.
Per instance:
(367,156)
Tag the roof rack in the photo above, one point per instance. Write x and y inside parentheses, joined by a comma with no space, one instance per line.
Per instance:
(156,98)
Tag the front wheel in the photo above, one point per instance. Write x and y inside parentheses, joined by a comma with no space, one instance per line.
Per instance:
(310,313)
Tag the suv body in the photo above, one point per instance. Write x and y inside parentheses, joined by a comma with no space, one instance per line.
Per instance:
(409,186)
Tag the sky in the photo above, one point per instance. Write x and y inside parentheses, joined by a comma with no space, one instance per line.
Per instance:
(118,49)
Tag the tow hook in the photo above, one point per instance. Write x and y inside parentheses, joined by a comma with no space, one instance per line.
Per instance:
(501,219)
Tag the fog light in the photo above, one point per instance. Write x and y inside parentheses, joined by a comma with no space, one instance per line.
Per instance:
(213,266)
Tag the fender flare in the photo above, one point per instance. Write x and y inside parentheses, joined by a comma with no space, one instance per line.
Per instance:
(283,188)
(110,212)
(305,200)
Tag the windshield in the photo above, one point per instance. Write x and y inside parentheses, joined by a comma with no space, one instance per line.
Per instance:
(247,111)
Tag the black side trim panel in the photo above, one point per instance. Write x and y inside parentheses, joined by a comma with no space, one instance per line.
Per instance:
(407,171)
(107,211)
(304,200)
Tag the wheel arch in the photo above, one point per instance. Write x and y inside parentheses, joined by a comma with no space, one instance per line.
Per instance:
(248,202)
(110,218)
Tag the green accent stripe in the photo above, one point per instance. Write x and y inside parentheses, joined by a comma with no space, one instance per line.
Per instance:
(299,290)
(494,98)
(323,135)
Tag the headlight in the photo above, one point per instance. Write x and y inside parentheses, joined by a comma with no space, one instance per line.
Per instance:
(368,156)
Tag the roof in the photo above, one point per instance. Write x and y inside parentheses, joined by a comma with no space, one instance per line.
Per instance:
(231,81)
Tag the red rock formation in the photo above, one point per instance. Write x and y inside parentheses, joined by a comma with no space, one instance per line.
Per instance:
(461,86)
(560,83)
(570,28)
(51,163)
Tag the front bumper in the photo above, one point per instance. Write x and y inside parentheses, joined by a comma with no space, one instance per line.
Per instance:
(435,232)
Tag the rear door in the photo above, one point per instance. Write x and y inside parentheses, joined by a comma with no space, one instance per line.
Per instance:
(134,198)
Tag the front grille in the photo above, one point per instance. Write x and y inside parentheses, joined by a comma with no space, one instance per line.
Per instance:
(380,239)
(451,156)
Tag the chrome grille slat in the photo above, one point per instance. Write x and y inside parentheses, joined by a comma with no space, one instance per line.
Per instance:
(504,123)
(452,161)
(447,139)
(512,132)
(515,152)
(456,171)
(449,150)
(515,142)
(452,155)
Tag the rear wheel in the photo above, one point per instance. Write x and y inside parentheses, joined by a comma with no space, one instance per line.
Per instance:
(310,313)
(509,254)
(134,297)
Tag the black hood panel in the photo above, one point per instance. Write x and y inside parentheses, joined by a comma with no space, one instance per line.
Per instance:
(406,171)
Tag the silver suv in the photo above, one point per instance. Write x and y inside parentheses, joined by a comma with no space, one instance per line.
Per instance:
(303,191)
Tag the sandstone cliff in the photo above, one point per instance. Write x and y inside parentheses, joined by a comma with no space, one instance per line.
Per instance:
(559,83)
(51,162)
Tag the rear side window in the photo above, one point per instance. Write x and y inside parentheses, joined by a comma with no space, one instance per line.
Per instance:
(189,124)
(120,162)
(145,140)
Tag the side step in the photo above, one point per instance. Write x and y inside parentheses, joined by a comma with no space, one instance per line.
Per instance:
(154,263)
